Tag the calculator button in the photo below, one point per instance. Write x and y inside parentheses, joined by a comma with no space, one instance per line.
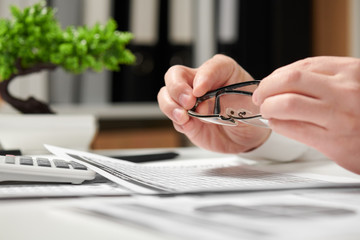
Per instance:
(61,163)
(78,166)
(26,161)
(43,162)
(10,159)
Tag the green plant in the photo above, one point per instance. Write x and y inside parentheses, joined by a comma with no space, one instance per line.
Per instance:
(33,41)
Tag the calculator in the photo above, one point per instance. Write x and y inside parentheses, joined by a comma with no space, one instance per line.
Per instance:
(43,169)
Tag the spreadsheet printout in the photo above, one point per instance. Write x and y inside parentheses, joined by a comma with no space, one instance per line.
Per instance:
(220,175)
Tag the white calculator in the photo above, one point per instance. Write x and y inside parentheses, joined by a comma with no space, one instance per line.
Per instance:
(41,169)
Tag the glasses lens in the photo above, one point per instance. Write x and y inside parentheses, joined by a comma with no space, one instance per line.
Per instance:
(237,104)
(231,105)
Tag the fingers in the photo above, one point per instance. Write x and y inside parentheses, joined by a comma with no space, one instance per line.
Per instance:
(321,91)
(181,120)
(171,108)
(178,95)
(185,84)
(323,65)
(291,106)
(309,77)
(217,72)
(178,80)
(309,84)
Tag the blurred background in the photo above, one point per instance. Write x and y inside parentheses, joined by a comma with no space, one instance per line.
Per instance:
(261,35)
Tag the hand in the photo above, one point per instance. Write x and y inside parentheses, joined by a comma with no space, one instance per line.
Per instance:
(184,84)
(316,101)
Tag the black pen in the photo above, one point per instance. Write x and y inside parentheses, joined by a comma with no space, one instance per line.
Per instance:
(15,152)
(147,157)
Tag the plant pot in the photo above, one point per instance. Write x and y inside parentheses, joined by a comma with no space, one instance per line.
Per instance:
(30,132)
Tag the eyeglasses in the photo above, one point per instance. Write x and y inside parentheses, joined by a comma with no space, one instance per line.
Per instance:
(229,105)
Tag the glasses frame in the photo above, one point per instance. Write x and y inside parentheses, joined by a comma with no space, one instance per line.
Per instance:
(229,119)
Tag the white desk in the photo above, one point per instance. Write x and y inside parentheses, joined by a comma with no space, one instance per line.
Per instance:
(60,218)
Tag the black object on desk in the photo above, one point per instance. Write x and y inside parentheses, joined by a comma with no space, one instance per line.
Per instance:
(148,157)
(15,152)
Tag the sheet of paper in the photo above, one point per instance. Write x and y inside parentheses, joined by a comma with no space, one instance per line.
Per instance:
(220,175)
(37,190)
(301,214)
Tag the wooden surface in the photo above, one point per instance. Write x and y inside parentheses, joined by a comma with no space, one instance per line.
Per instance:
(137,138)
(121,134)
(331,27)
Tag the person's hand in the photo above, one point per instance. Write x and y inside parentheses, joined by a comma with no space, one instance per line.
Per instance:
(184,84)
(316,101)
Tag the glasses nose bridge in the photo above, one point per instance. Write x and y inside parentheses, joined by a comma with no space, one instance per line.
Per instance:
(217,105)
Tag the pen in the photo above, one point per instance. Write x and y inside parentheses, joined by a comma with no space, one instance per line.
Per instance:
(139,158)
(147,157)
(15,152)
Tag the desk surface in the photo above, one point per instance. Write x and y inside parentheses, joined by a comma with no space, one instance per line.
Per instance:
(66,218)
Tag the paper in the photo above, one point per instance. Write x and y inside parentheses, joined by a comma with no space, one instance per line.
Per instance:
(302,214)
(220,175)
(37,190)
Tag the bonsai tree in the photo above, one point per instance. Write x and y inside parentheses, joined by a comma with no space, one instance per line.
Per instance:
(33,41)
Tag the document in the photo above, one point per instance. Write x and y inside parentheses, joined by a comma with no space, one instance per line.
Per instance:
(329,214)
(97,187)
(219,175)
